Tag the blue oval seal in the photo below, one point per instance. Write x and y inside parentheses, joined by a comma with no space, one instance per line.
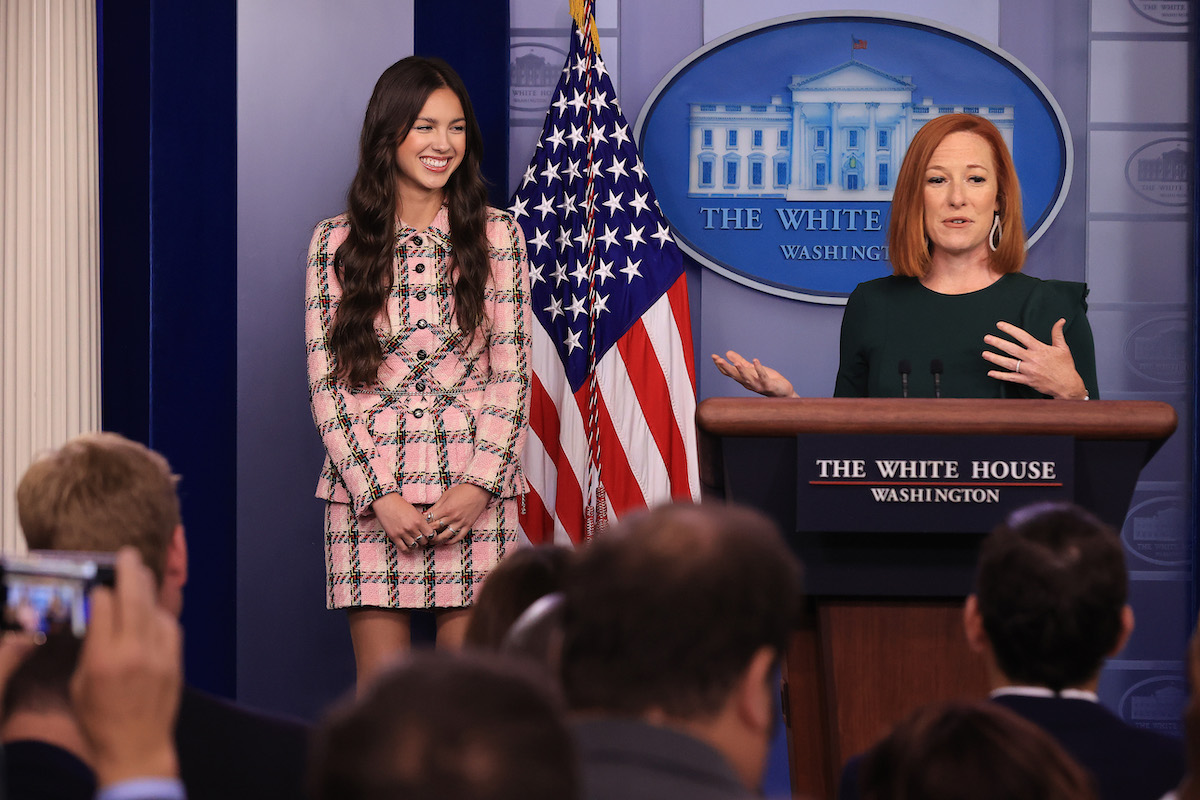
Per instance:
(1160,349)
(774,149)
(1166,12)
(1161,171)
(1155,704)
(1156,531)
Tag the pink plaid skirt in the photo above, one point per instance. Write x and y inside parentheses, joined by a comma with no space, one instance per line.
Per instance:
(363,567)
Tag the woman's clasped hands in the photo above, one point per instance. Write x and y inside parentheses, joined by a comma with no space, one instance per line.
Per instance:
(445,522)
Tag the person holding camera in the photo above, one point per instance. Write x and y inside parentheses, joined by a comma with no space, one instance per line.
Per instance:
(106,730)
(101,492)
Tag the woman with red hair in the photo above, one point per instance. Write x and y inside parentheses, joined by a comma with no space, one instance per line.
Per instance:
(957,300)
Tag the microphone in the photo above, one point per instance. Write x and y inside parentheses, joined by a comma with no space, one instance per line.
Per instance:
(905,369)
(935,367)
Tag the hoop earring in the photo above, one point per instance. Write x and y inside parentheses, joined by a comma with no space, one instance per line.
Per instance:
(995,234)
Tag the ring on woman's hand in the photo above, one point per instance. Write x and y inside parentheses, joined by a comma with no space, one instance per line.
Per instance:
(1017,368)
(451,530)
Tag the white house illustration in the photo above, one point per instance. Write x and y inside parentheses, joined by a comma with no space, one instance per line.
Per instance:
(841,136)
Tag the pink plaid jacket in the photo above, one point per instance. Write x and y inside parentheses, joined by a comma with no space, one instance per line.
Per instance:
(442,411)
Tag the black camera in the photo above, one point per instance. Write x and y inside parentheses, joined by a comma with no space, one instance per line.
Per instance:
(46,591)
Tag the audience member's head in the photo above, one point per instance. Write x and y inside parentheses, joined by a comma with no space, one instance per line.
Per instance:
(678,616)
(537,634)
(971,751)
(1049,603)
(520,579)
(441,726)
(100,492)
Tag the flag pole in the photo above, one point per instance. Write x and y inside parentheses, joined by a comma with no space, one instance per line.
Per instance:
(596,513)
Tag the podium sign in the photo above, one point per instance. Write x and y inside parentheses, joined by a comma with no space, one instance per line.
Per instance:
(886,573)
(932,484)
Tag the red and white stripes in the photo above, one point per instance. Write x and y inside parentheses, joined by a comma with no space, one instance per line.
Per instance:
(645,411)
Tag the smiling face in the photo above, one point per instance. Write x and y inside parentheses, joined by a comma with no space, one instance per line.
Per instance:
(434,146)
(961,186)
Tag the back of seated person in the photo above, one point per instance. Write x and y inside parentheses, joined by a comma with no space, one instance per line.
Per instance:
(674,625)
(445,726)
(519,580)
(1049,608)
(971,751)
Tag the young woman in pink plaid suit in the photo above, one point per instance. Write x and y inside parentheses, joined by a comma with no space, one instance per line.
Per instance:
(417,323)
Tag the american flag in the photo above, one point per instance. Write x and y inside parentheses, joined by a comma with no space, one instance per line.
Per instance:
(613,401)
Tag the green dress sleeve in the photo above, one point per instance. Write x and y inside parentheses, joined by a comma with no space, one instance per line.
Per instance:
(1054,300)
(853,363)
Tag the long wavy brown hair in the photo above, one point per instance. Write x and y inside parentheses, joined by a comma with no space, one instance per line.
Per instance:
(363,264)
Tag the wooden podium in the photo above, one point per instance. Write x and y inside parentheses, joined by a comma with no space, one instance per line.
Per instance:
(884,635)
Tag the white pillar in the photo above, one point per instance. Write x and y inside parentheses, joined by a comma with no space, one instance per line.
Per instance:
(871,178)
(835,147)
(49,247)
(800,179)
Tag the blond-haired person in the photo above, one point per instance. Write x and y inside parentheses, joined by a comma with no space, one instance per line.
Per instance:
(103,492)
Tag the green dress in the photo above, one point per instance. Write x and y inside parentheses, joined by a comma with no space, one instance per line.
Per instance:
(894,319)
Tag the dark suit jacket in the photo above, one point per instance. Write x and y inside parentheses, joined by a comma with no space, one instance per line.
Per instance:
(39,771)
(1127,763)
(227,752)
(632,760)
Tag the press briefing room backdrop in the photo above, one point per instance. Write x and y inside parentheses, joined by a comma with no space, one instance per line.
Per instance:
(227,130)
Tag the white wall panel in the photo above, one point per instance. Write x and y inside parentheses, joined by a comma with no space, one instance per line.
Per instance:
(978,17)
(1138,262)
(1139,82)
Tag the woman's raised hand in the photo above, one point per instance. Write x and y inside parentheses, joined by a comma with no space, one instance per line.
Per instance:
(754,375)
(1047,368)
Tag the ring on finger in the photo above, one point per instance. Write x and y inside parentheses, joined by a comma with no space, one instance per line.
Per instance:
(1017,368)
(452,531)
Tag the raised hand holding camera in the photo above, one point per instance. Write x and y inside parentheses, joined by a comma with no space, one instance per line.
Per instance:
(126,688)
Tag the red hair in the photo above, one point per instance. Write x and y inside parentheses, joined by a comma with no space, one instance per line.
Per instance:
(908,247)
